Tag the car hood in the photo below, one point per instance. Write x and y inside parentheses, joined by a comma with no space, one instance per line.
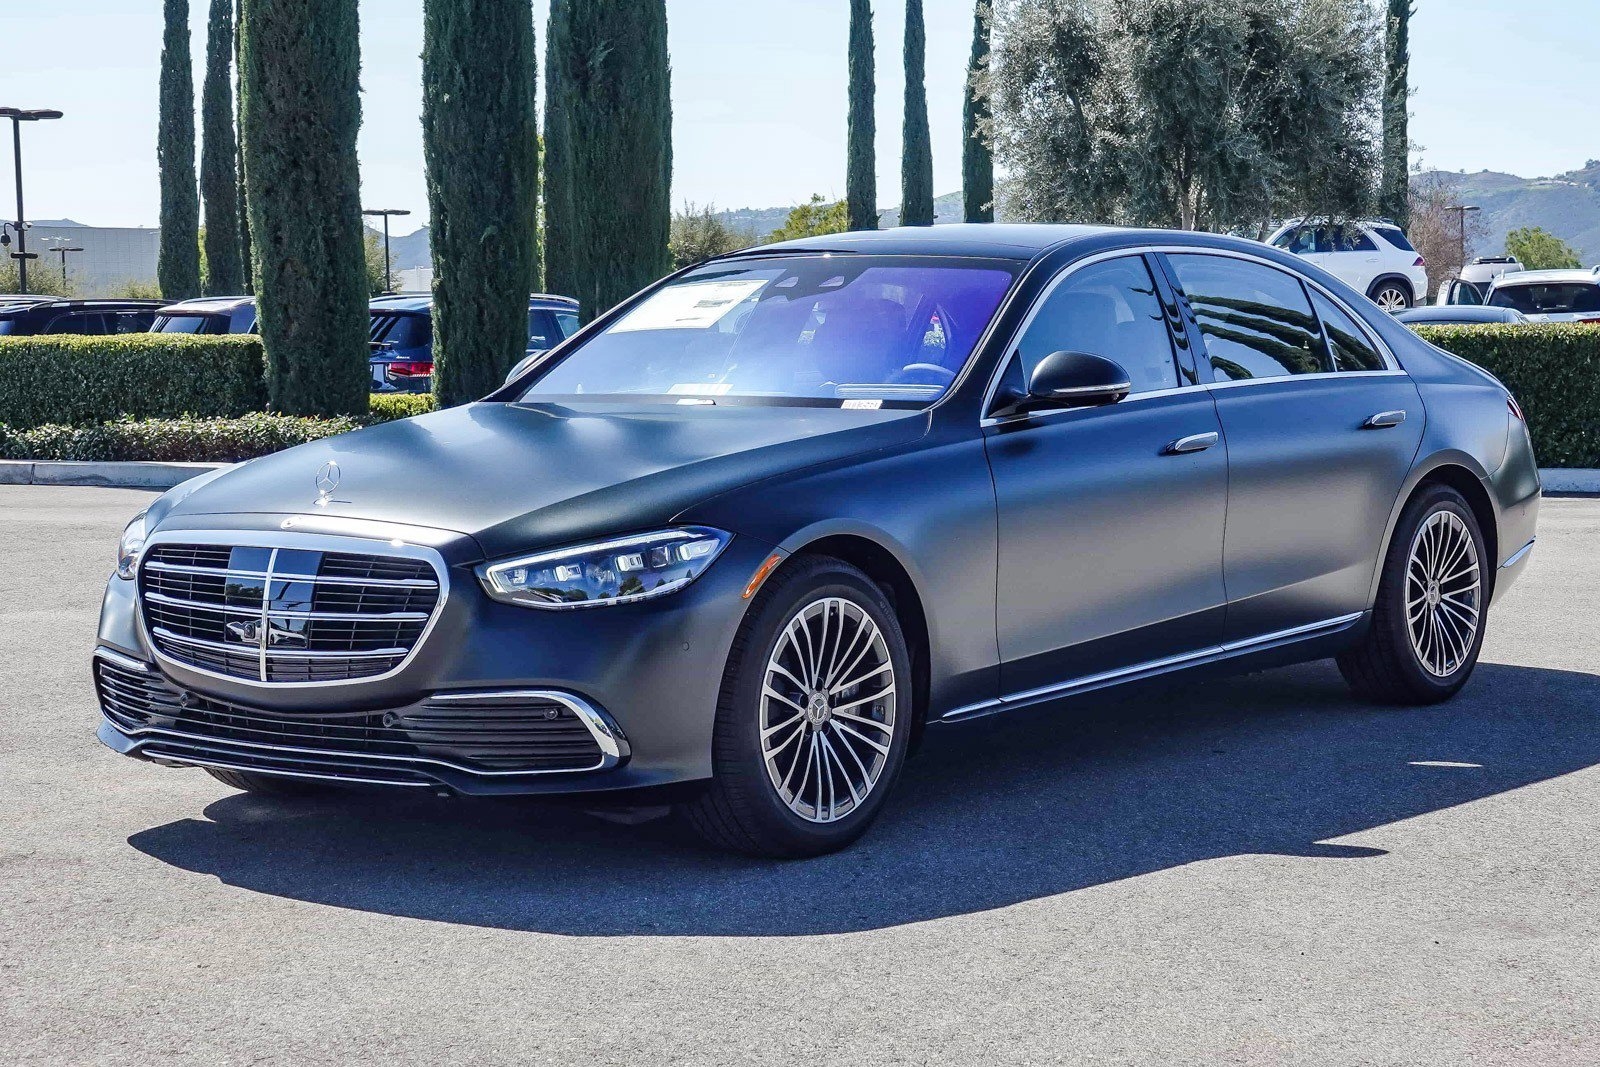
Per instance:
(521,476)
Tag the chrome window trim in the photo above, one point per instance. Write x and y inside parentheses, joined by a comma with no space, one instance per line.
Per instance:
(1391,364)
(289,539)
(1225,650)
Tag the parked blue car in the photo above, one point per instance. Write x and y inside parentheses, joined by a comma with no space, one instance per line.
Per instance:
(402,337)
(208,315)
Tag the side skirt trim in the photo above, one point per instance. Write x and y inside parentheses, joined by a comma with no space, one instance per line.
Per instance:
(1153,668)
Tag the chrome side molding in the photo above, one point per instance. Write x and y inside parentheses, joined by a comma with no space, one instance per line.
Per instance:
(1152,668)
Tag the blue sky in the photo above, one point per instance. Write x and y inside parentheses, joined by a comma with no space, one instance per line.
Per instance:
(758,96)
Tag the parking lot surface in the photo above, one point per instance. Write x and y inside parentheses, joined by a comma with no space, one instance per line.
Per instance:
(1254,871)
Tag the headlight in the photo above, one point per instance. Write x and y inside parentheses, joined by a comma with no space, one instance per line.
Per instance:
(609,572)
(130,546)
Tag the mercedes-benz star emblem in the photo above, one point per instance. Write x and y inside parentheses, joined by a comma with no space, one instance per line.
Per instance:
(327,482)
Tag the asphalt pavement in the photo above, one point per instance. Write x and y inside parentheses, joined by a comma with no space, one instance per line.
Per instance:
(1246,871)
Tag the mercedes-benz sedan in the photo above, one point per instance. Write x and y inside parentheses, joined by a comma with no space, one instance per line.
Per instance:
(752,532)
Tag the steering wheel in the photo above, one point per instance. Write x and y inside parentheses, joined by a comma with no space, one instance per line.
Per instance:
(924,374)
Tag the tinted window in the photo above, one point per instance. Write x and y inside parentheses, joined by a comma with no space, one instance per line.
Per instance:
(181,324)
(568,321)
(1256,320)
(1394,236)
(1352,239)
(1347,345)
(1555,299)
(1110,309)
(84,324)
(131,321)
(402,331)
(543,333)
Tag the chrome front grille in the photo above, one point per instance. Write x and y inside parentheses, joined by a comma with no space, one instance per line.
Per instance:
(285,614)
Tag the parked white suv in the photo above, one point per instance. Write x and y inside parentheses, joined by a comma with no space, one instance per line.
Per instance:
(1374,257)
(1471,286)
(1549,295)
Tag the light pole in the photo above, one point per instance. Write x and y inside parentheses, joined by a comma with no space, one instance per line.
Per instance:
(63,250)
(18,116)
(388,277)
(1461,215)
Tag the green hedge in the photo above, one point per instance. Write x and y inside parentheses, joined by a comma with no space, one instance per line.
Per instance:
(171,440)
(1554,372)
(82,381)
(389,406)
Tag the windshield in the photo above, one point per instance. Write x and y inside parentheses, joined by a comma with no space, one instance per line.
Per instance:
(1555,299)
(869,329)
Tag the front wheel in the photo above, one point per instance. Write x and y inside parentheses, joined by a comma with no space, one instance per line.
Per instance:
(813,719)
(1428,622)
(1391,296)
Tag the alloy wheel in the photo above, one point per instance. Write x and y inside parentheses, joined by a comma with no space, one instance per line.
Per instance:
(1444,593)
(828,705)
(1391,299)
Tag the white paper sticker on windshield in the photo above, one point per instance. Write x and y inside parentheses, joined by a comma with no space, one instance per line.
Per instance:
(692,306)
(700,389)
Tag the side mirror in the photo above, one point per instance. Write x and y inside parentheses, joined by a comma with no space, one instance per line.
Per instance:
(1067,380)
(523,364)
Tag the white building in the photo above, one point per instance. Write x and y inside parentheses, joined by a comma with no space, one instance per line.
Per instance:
(112,256)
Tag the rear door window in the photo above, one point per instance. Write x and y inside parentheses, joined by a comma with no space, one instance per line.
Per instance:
(92,323)
(1256,320)
(1348,346)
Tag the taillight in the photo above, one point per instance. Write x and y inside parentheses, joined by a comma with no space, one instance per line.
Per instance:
(1420,262)
(410,370)
(1511,406)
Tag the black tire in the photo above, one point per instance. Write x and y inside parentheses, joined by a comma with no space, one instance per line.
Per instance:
(268,785)
(1385,667)
(741,809)
(1392,295)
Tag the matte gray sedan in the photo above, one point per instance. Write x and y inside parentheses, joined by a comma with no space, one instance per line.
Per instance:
(741,541)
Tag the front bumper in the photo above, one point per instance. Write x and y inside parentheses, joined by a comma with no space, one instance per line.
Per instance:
(647,674)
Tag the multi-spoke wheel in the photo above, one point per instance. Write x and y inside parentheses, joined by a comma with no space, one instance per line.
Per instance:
(1428,622)
(815,712)
(1391,296)
(1444,585)
(828,709)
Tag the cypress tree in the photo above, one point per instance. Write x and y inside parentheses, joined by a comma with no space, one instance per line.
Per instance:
(977,159)
(246,267)
(480,136)
(916,153)
(608,149)
(300,66)
(861,125)
(218,156)
(178,262)
(1394,201)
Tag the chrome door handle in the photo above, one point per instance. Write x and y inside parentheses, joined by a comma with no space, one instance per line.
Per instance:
(1195,442)
(1384,419)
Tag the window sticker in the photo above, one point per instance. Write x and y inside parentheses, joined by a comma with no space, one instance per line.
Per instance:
(691,306)
(699,389)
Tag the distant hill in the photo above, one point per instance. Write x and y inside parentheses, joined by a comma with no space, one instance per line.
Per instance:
(1567,205)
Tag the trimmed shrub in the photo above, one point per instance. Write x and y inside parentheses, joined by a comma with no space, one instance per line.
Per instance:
(82,381)
(386,407)
(171,440)
(1554,372)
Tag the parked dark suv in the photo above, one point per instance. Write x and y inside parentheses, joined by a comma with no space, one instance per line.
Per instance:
(211,314)
(24,315)
(402,337)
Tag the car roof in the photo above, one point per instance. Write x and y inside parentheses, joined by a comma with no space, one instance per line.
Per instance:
(14,304)
(1458,313)
(420,303)
(994,240)
(1536,277)
(207,305)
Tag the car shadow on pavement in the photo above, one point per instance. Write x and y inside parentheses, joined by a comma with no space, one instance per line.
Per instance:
(989,814)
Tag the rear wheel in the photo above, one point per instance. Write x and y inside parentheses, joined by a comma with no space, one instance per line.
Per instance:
(270,785)
(1392,296)
(1428,621)
(813,718)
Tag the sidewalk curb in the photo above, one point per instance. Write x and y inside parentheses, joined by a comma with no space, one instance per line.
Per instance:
(125,475)
(138,475)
